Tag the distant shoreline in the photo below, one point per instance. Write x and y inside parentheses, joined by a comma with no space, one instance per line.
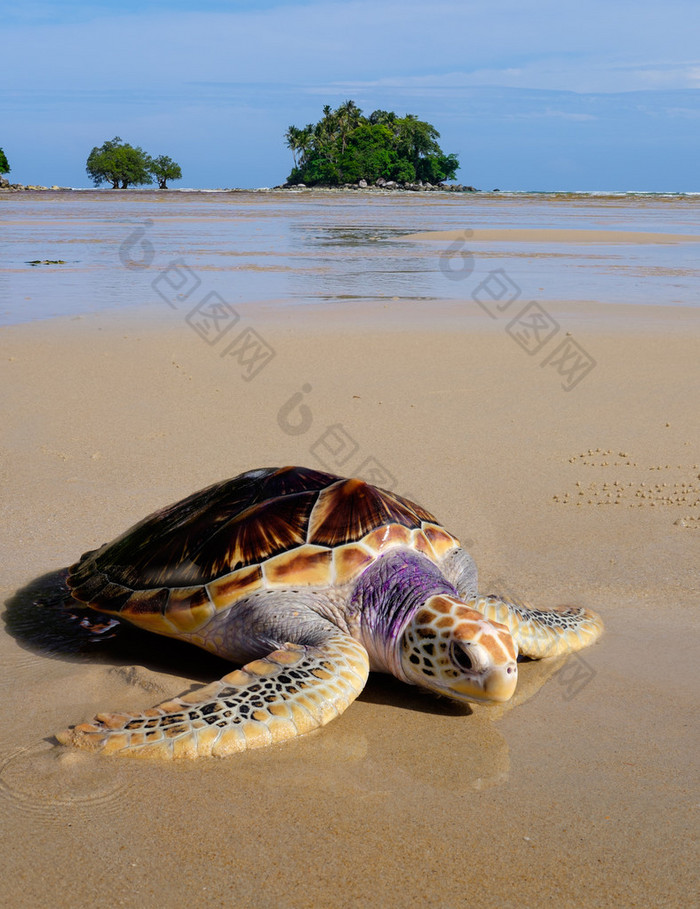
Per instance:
(34,189)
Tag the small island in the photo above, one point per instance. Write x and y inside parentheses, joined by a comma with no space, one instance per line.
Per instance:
(346,149)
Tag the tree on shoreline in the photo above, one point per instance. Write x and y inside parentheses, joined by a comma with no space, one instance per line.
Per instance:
(4,164)
(118,163)
(345,147)
(122,165)
(163,169)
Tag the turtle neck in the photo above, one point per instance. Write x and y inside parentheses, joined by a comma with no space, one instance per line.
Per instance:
(385,598)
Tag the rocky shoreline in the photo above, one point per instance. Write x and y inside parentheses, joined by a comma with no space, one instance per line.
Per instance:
(6,186)
(382,184)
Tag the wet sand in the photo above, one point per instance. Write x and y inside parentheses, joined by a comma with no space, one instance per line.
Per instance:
(551,235)
(580,794)
(118,249)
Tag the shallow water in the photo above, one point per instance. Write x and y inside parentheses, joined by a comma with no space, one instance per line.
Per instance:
(140,247)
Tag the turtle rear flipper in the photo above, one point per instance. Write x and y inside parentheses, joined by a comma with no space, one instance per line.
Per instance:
(542,633)
(285,694)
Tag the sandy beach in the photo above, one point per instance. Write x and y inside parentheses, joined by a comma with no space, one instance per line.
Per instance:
(568,486)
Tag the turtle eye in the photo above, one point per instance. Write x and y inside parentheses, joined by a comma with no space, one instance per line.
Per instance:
(461,658)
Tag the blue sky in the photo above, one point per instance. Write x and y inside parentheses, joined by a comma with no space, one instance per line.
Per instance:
(541,95)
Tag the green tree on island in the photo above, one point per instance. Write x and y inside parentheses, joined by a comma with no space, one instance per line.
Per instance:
(346,147)
(163,169)
(4,165)
(120,164)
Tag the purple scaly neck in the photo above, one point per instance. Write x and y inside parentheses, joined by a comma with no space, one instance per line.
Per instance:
(386,597)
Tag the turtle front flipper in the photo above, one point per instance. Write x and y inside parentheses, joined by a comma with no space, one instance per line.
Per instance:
(542,632)
(289,692)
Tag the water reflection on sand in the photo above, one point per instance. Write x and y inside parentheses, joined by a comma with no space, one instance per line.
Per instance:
(329,248)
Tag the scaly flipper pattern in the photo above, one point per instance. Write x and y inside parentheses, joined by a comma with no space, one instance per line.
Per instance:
(542,632)
(285,694)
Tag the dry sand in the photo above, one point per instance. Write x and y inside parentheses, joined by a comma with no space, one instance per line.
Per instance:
(580,795)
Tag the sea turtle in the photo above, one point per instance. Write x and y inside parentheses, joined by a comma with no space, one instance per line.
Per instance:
(311,580)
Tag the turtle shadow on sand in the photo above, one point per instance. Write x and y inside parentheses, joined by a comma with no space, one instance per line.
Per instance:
(44,619)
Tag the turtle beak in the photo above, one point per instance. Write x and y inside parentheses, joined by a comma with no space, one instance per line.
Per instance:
(496,685)
(501,683)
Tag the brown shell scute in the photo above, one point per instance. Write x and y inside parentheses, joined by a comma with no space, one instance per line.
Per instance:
(309,565)
(260,532)
(234,586)
(349,509)
(272,527)
(440,540)
(188,608)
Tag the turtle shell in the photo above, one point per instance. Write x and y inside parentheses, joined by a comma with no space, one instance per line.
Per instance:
(270,528)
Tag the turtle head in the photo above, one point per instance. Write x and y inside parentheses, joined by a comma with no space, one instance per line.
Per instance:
(454,651)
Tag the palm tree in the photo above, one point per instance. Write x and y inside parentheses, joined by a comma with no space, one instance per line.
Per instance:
(347,118)
(299,141)
(292,137)
(325,133)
